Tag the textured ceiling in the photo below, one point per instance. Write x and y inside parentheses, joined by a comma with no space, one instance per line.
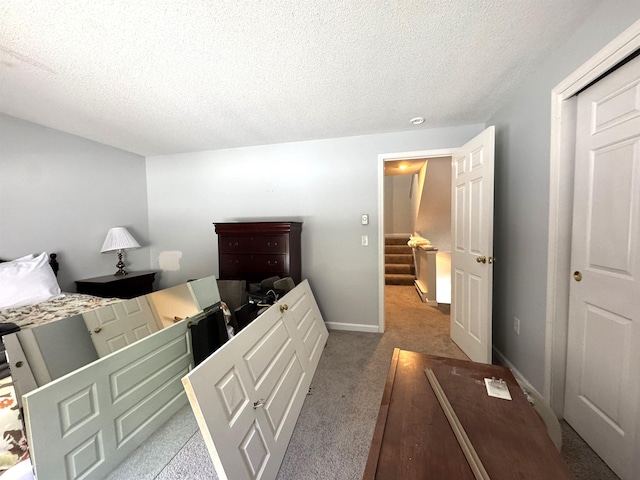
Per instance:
(168,76)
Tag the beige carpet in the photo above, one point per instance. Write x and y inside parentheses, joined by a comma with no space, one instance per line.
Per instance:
(332,436)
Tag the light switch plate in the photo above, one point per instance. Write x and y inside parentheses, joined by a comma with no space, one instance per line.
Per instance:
(365,219)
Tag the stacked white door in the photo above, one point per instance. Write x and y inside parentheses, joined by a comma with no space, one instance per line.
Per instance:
(83,425)
(247,396)
(120,324)
(602,396)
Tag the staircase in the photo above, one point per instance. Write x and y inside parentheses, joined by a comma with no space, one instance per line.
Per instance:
(398,262)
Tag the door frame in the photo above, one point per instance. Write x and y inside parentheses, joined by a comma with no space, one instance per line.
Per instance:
(385,157)
(561,173)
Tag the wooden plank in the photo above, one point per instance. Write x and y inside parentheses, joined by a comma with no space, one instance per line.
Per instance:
(465,444)
(376,443)
(418,442)
(413,439)
(509,436)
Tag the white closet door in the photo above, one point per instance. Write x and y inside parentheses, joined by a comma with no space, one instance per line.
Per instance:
(247,396)
(602,396)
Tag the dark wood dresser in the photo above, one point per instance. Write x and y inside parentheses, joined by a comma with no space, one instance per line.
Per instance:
(414,440)
(254,251)
(131,285)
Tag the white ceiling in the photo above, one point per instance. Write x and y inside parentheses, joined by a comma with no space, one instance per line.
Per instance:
(169,76)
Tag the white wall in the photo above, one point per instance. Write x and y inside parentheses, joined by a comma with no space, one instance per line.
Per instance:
(327,184)
(522,192)
(398,213)
(61,193)
(434,215)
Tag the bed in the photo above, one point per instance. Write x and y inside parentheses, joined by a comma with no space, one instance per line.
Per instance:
(82,422)
(32,287)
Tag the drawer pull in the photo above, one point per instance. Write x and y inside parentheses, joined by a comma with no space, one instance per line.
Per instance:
(259,403)
(272,244)
(283,308)
(272,263)
(233,244)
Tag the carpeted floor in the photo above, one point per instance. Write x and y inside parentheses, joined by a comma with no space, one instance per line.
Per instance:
(333,433)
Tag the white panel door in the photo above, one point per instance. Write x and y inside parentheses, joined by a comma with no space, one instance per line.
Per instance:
(603,352)
(120,324)
(248,394)
(472,246)
(83,425)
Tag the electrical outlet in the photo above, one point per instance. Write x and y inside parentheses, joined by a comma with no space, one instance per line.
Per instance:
(516,325)
(365,240)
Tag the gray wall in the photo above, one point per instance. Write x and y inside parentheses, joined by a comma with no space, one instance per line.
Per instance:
(398,213)
(327,184)
(61,193)
(522,192)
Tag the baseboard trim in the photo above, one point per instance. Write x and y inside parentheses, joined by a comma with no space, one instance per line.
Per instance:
(549,417)
(352,327)
(424,294)
(516,373)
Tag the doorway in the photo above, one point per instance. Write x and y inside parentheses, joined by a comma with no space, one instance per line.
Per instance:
(472,192)
(407,163)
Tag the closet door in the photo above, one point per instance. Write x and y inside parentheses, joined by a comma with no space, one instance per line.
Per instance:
(247,396)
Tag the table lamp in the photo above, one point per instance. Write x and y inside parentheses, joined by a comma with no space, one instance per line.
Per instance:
(119,238)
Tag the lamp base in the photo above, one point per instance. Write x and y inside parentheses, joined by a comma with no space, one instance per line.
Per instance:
(120,266)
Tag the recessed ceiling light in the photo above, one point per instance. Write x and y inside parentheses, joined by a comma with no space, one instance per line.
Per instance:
(417,120)
(403,167)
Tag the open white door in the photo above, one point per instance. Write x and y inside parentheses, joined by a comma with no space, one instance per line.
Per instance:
(472,246)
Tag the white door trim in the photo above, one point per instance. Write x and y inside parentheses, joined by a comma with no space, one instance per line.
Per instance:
(561,203)
(385,157)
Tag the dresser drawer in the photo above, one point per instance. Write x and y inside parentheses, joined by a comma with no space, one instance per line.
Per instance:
(253,244)
(253,266)
(254,251)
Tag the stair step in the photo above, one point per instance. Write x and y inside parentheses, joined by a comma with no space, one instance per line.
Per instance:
(396,240)
(394,258)
(402,268)
(398,249)
(398,279)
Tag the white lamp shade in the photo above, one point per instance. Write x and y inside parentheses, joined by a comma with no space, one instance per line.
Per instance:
(118,238)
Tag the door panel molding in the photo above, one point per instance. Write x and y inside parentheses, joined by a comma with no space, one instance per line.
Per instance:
(247,395)
(562,160)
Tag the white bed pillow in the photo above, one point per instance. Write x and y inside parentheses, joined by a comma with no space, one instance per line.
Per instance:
(27,281)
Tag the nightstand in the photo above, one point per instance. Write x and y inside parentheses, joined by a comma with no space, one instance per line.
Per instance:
(131,285)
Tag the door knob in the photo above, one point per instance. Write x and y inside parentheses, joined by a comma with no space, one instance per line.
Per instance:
(577,276)
(481,259)
(283,308)
(97,330)
(259,403)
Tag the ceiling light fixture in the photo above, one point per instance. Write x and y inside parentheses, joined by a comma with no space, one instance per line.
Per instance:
(417,120)
(403,167)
